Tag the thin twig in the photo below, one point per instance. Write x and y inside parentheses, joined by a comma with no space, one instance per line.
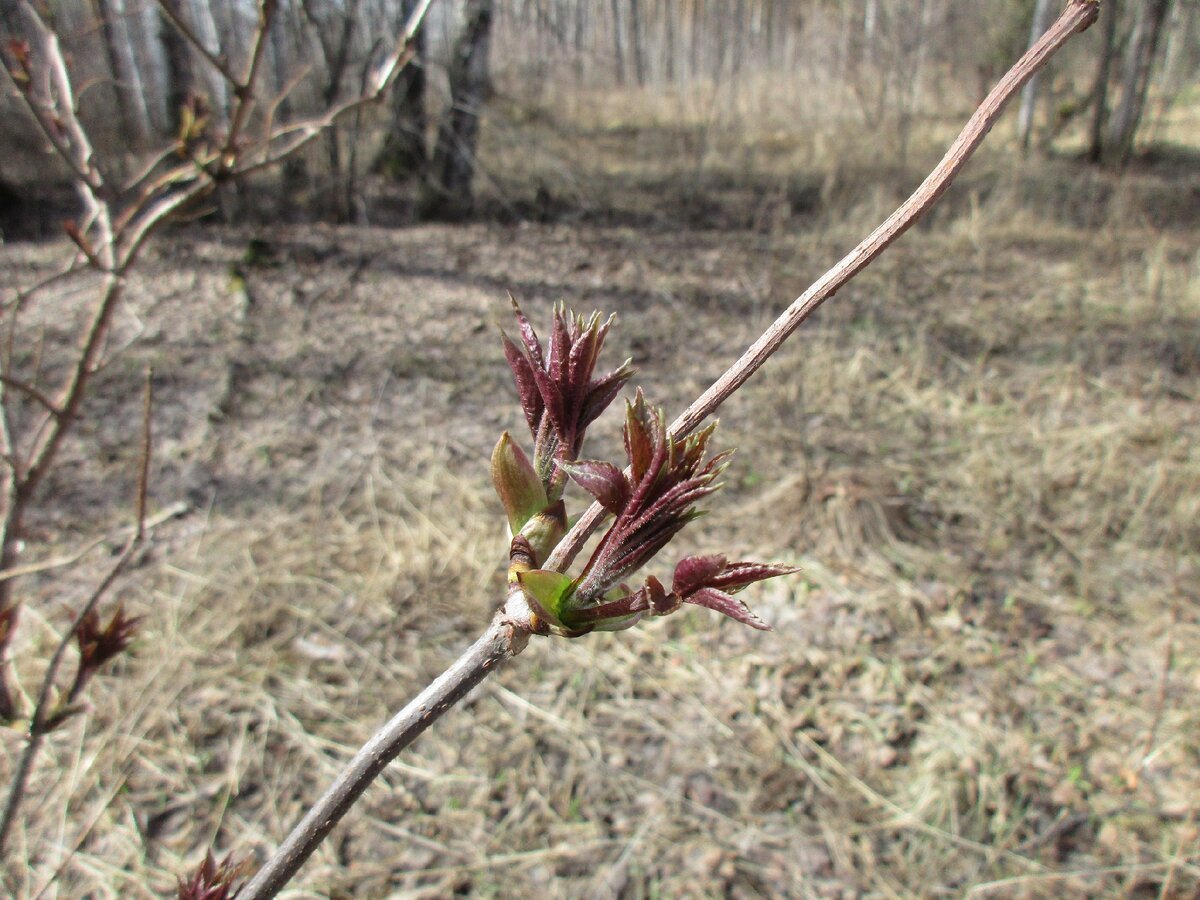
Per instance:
(42,709)
(31,392)
(72,395)
(143,475)
(244,90)
(23,295)
(173,511)
(185,30)
(149,217)
(51,100)
(304,132)
(42,713)
(503,639)
(1079,15)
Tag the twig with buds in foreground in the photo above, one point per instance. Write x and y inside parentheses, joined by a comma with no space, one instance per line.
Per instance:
(524,612)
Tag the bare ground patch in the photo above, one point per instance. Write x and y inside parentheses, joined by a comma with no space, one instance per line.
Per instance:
(983,454)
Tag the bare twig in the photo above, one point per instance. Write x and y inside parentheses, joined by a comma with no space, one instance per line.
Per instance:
(113,228)
(72,395)
(1160,696)
(300,134)
(42,709)
(32,393)
(244,89)
(22,296)
(143,474)
(1079,15)
(40,724)
(510,629)
(189,35)
(173,511)
(504,638)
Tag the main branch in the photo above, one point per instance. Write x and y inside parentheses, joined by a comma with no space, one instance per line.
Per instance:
(504,638)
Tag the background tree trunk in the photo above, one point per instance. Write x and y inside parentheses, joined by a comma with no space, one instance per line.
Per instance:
(1041,19)
(1108,15)
(449,194)
(179,72)
(127,83)
(1142,47)
(404,154)
(638,28)
(618,41)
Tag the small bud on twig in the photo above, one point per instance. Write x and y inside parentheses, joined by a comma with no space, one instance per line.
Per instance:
(213,880)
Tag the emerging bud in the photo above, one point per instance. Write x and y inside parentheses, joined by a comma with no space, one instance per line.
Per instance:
(652,503)
(545,530)
(213,880)
(559,396)
(548,594)
(98,645)
(516,483)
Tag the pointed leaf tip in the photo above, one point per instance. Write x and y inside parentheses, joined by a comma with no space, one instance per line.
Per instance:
(738,575)
(719,601)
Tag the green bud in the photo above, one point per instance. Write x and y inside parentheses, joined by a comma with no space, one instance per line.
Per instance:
(516,483)
(545,530)
(549,593)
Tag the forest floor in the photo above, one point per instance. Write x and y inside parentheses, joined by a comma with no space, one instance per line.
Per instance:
(984,454)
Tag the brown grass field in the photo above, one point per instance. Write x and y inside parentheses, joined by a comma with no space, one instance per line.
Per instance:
(984,454)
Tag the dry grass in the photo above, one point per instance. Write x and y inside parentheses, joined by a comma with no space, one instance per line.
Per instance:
(983,454)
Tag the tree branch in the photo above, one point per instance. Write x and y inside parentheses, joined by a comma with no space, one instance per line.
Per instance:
(1078,16)
(41,711)
(244,90)
(185,30)
(504,638)
(31,392)
(41,722)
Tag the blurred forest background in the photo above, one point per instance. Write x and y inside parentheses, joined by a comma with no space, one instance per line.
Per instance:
(748,86)
(984,453)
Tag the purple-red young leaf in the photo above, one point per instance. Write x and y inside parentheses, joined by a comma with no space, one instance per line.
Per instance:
(551,396)
(213,880)
(640,445)
(602,480)
(528,336)
(738,575)
(612,609)
(527,389)
(98,645)
(619,624)
(560,348)
(602,392)
(711,598)
(695,572)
